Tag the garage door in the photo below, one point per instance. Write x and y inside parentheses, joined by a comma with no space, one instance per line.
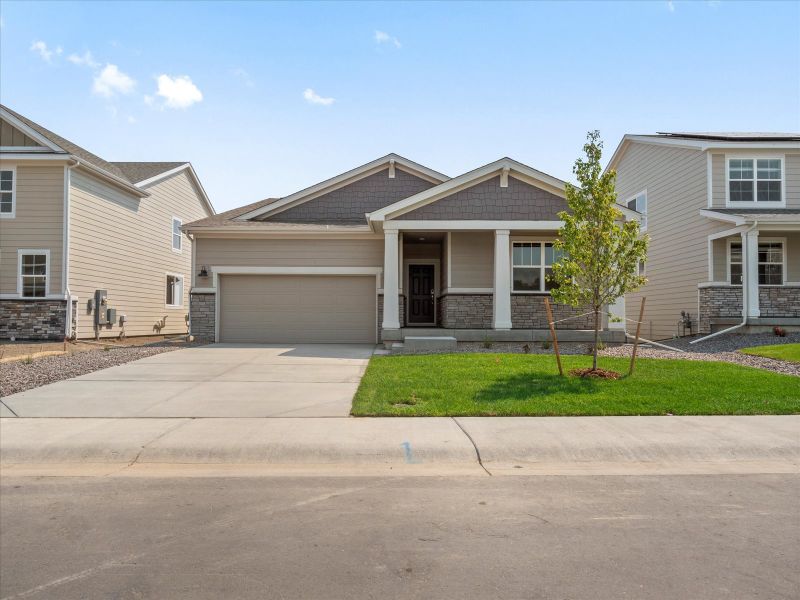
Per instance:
(297,309)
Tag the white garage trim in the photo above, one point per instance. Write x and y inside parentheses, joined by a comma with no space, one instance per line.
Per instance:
(365,271)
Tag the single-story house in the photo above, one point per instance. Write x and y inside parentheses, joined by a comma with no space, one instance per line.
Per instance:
(384,251)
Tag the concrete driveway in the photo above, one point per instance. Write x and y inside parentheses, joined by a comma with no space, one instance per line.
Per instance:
(221,380)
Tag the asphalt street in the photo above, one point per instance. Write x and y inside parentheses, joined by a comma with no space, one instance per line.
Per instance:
(560,537)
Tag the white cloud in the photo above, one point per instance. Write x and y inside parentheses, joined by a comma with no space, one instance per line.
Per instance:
(178,92)
(44,52)
(111,81)
(671,6)
(131,119)
(381,37)
(244,76)
(314,98)
(85,59)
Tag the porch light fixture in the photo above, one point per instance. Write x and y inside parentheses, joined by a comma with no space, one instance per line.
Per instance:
(203,271)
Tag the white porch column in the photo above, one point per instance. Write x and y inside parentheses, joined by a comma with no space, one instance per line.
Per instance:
(502,279)
(617,311)
(391,287)
(750,274)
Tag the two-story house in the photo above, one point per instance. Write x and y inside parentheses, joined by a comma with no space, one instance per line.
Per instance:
(723,214)
(91,248)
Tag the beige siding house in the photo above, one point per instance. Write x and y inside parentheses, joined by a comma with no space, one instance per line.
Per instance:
(389,251)
(90,248)
(723,216)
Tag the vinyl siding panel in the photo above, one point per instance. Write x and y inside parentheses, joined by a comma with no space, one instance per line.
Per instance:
(720,251)
(472,259)
(239,252)
(124,245)
(11,136)
(791,176)
(675,180)
(39,224)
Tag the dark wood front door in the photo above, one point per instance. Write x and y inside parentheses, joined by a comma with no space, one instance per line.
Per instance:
(421,294)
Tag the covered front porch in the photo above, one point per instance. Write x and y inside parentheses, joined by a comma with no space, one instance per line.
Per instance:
(476,281)
(754,273)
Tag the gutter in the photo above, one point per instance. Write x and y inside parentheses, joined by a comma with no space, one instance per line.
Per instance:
(745,296)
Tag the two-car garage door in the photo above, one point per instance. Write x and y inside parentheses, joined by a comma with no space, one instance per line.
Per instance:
(297,309)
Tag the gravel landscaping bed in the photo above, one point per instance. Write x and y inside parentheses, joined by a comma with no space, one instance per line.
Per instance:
(730,342)
(19,376)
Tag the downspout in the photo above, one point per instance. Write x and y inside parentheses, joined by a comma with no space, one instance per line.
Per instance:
(745,295)
(68,331)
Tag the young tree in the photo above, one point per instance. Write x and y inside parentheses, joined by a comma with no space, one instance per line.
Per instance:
(600,254)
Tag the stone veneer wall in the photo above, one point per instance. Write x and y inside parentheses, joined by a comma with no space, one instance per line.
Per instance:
(528,312)
(402,316)
(466,311)
(33,319)
(779,301)
(202,308)
(725,302)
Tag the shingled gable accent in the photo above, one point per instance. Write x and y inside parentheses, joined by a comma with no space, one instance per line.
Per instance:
(389,164)
(350,204)
(487,201)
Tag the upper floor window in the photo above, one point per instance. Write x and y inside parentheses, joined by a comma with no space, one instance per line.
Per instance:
(639,204)
(33,273)
(177,237)
(753,180)
(532,264)
(8,192)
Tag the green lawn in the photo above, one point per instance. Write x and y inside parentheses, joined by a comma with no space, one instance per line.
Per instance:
(518,384)
(787,352)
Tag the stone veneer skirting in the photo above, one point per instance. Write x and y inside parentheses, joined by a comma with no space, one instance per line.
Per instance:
(465,311)
(725,302)
(33,319)
(202,308)
(528,312)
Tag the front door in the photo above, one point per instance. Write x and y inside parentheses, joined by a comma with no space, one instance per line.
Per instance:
(421,296)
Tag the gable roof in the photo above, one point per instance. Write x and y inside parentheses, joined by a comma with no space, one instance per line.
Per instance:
(133,176)
(704,141)
(504,166)
(389,161)
(137,172)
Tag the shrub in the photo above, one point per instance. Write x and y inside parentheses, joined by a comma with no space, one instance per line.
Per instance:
(779,331)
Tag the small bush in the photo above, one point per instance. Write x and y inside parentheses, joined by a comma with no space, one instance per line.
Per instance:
(28,360)
(526,348)
(546,345)
(779,331)
(487,343)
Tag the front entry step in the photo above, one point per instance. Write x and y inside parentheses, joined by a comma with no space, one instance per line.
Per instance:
(429,344)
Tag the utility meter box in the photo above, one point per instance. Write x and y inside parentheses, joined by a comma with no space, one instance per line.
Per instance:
(100,302)
(111,315)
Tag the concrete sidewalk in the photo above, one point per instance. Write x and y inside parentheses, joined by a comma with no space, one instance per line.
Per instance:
(524,445)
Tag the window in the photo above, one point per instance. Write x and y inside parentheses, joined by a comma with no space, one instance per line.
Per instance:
(755,180)
(33,275)
(770,263)
(642,268)
(8,193)
(532,265)
(177,236)
(175,291)
(639,204)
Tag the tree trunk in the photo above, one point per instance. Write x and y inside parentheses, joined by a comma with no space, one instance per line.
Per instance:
(596,336)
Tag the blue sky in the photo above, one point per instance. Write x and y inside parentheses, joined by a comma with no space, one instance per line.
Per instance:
(268,98)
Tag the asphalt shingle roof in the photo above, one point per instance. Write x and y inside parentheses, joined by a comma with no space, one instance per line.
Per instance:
(139,171)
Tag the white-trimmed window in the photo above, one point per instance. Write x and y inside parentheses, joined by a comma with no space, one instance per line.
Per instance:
(639,204)
(8,192)
(770,262)
(532,264)
(34,273)
(177,236)
(755,181)
(174,290)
